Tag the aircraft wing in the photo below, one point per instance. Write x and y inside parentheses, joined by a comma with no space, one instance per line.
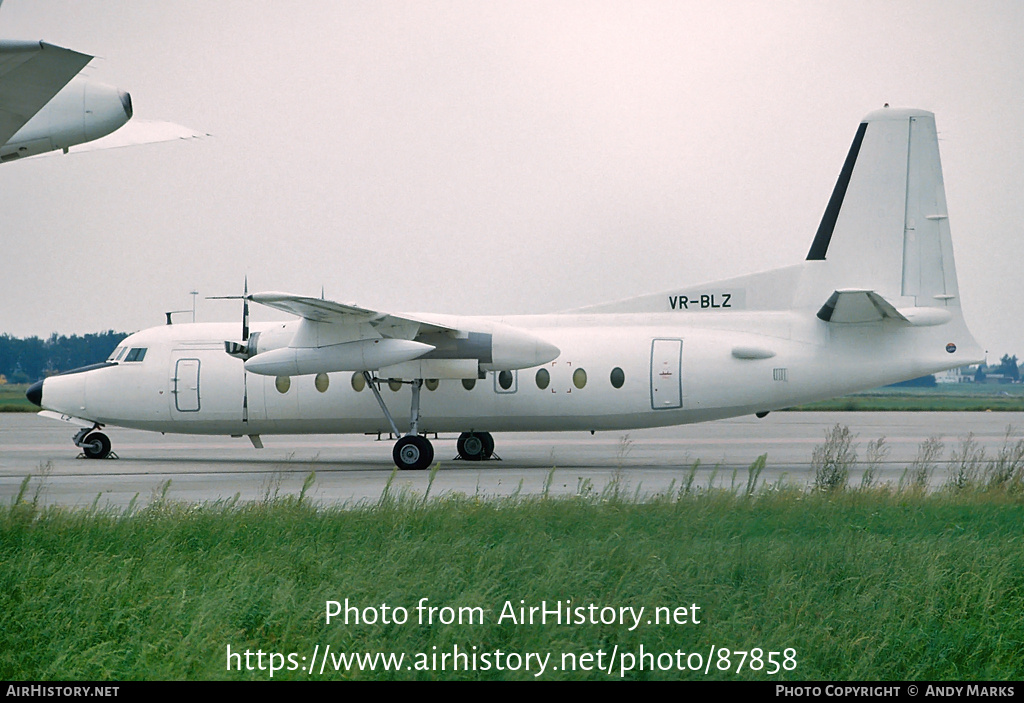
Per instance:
(31,73)
(137,132)
(338,337)
(328,311)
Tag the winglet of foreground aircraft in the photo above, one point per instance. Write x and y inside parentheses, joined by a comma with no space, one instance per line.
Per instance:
(875,302)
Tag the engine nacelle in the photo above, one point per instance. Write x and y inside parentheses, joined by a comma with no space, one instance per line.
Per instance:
(81,112)
(496,347)
(513,348)
(361,355)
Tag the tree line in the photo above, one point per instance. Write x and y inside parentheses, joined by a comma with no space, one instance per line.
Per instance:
(1007,369)
(28,360)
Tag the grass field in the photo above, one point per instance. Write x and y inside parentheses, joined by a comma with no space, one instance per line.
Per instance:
(13,400)
(872,584)
(958,397)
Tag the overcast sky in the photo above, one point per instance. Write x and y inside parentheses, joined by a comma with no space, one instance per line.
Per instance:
(496,157)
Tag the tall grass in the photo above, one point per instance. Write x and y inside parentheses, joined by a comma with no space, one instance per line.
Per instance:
(875,582)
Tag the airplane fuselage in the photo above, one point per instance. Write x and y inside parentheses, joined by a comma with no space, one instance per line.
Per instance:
(614,372)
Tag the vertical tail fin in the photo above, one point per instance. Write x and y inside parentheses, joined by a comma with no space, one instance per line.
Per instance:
(886,227)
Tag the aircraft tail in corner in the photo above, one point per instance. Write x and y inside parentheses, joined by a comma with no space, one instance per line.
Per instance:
(886,227)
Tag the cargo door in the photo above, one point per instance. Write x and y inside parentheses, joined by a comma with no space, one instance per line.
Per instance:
(666,374)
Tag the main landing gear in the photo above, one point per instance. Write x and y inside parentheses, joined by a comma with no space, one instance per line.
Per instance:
(415,452)
(475,446)
(95,445)
(411,451)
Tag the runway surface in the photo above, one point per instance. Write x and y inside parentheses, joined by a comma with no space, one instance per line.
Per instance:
(354,469)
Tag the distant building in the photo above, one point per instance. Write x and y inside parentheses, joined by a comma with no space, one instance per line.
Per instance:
(961,374)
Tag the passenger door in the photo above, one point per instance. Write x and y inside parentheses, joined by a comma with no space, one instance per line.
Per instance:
(185,385)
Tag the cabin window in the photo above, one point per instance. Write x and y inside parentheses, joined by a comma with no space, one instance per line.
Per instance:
(321,382)
(543,378)
(468,383)
(137,354)
(618,377)
(395,384)
(579,378)
(505,379)
(358,381)
(431,384)
(282,383)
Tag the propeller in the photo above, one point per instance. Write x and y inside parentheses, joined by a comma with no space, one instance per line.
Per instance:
(246,349)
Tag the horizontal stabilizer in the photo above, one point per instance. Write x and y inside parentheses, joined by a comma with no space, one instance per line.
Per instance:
(857,306)
(861,306)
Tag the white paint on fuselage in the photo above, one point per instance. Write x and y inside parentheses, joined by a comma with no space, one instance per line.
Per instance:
(813,360)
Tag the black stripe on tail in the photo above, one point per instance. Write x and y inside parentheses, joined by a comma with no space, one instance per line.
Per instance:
(828,221)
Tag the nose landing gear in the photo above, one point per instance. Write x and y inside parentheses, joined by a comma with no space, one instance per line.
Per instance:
(95,445)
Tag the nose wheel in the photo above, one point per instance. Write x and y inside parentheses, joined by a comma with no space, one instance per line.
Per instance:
(95,445)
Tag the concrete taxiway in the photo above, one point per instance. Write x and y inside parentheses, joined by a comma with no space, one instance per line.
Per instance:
(353,469)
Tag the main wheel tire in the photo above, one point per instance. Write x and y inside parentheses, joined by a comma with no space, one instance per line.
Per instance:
(96,446)
(475,446)
(470,447)
(488,444)
(413,452)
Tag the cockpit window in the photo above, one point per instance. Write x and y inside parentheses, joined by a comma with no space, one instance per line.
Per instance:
(121,353)
(116,354)
(136,354)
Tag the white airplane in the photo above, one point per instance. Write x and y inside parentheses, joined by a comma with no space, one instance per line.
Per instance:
(875,302)
(46,105)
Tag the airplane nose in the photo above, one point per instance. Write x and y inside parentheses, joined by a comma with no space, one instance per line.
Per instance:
(126,102)
(35,393)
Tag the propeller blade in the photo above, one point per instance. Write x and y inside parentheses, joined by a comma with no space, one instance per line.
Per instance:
(245,311)
(241,349)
